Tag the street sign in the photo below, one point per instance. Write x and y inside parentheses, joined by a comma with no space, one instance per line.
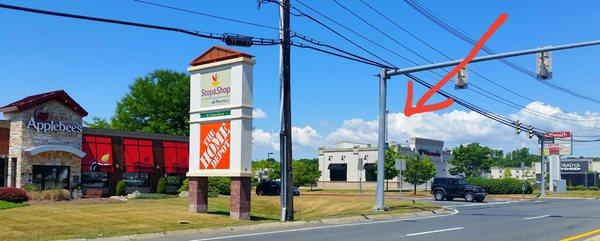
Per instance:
(360,166)
(558,143)
(400,164)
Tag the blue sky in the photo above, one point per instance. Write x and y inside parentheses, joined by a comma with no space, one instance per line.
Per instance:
(333,99)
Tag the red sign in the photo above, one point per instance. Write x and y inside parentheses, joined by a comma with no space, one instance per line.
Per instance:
(562,134)
(555,150)
(215,143)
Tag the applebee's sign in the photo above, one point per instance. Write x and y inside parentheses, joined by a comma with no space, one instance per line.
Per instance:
(39,122)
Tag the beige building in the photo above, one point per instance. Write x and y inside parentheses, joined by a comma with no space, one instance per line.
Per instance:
(352,165)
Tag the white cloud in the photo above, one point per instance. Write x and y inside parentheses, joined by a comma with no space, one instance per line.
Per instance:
(258,113)
(453,128)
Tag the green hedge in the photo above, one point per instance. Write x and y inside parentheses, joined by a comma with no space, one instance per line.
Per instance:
(219,185)
(161,186)
(500,186)
(120,189)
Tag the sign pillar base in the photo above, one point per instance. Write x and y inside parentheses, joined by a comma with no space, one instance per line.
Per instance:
(198,195)
(240,198)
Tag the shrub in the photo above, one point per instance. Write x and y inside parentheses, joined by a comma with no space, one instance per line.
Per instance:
(185,186)
(219,185)
(120,189)
(501,186)
(593,188)
(152,196)
(576,188)
(31,187)
(13,195)
(161,187)
(50,195)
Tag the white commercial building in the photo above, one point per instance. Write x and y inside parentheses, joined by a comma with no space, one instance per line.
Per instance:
(340,169)
(514,172)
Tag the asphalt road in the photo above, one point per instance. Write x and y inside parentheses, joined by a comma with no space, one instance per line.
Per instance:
(526,220)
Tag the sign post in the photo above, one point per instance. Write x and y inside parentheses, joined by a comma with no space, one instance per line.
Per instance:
(523,178)
(360,167)
(221,127)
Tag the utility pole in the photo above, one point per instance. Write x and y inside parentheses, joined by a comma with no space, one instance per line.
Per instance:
(543,164)
(285,136)
(383,77)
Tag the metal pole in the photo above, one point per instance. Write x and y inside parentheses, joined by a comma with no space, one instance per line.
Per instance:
(285,140)
(379,204)
(543,164)
(491,57)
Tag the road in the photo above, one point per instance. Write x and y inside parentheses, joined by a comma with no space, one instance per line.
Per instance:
(525,220)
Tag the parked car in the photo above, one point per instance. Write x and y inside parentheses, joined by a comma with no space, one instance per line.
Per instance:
(450,187)
(272,188)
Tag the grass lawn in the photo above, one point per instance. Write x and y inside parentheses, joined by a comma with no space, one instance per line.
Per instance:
(66,220)
(7,205)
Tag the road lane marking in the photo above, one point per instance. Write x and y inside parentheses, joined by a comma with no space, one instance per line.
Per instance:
(454,212)
(434,231)
(536,217)
(583,235)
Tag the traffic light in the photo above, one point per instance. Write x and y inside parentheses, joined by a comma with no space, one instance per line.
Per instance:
(462,79)
(518,126)
(544,65)
(530,130)
(238,40)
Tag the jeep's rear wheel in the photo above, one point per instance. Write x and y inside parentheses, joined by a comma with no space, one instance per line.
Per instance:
(469,197)
(439,195)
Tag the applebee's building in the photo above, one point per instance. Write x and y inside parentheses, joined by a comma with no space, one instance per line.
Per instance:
(43,143)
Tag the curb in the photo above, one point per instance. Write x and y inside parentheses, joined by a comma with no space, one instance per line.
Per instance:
(254,227)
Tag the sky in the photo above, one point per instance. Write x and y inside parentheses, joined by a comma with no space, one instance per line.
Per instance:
(333,99)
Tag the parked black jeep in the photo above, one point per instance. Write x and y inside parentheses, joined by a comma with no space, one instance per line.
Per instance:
(450,187)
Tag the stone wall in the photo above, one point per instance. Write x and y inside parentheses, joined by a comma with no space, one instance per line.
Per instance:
(22,138)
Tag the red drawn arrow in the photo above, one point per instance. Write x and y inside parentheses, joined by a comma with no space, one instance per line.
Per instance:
(421,107)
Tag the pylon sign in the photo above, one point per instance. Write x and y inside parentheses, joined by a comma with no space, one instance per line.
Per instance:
(558,143)
(221,114)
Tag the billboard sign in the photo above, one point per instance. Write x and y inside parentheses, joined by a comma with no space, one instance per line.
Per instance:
(574,166)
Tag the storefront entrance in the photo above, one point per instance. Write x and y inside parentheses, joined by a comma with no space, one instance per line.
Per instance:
(51,177)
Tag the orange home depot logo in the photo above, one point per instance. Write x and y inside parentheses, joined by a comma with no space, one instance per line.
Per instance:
(215,143)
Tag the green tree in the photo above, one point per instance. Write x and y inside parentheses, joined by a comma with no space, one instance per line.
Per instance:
(305,172)
(471,160)
(389,166)
(418,171)
(507,173)
(272,167)
(99,123)
(154,104)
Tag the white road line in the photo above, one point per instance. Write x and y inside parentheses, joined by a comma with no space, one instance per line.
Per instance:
(480,204)
(536,217)
(454,211)
(435,231)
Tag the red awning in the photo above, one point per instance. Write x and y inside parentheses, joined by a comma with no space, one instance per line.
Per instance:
(98,154)
(176,157)
(139,156)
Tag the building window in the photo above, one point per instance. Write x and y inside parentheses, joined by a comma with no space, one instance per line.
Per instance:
(51,177)
(370,175)
(176,156)
(338,172)
(94,179)
(136,179)
(139,156)
(98,154)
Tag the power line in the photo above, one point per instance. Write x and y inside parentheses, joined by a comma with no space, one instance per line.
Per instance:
(206,14)
(465,37)
(504,101)
(221,37)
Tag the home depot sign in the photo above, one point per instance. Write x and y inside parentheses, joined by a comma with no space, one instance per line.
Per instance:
(221,114)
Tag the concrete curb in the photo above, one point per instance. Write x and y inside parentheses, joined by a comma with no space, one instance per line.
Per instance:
(254,227)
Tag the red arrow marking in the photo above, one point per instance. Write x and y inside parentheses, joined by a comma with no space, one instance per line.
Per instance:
(421,107)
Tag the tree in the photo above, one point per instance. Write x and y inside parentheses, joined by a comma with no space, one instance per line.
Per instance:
(515,157)
(272,167)
(98,123)
(418,171)
(389,166)
(471,160)
(154,104)
(507,173)
(306,172)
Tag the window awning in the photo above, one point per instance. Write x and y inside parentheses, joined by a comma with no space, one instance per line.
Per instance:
(46,148)
(337,167)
